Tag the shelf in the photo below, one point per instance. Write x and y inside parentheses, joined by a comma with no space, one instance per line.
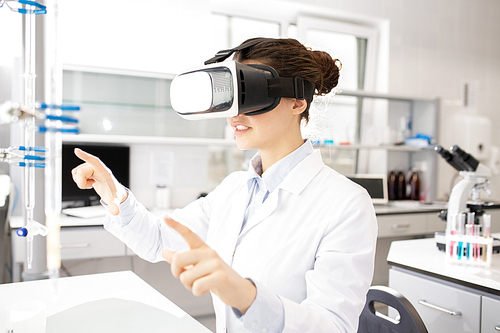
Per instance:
(366,94)
(384,147)
(128,139)
(116,71)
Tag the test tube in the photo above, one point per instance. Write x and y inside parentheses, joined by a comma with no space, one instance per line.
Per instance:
(486,231)
(471,217)
(453,232)
(460,232)
(477,248)
(486,225)
(468,232)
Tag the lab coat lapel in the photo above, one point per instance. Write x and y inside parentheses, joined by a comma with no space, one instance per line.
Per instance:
(294,182)
(267,208)
(229,236)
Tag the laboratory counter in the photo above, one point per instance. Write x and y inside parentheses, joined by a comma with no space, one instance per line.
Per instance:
(422,256)
(450,297)
(109,302)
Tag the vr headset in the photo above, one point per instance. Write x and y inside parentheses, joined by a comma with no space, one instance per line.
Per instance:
(226,89)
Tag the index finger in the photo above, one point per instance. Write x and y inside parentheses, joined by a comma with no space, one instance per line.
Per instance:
(192,239)
(92,160)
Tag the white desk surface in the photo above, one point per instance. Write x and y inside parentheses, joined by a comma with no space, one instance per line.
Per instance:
(71,221)
(397,207)
(422,255)
(66,221)
(409,207)
(109,302)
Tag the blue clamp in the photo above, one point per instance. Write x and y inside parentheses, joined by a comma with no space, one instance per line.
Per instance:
(22,232)
(39,8)
(63,107)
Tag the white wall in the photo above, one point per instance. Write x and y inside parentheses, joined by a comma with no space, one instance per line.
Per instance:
(434,47)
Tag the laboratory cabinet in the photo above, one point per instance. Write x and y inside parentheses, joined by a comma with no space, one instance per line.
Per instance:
(383,122)
(414,224)
(490,314)
(443,307)
(90,242)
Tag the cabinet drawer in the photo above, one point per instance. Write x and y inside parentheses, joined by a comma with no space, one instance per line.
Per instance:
(490,319)
(89,242)
(401,225)
(464,307)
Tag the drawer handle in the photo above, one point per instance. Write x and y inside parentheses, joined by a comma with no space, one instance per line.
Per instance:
(75,246)
(435,307)
(497,328)
(400,226)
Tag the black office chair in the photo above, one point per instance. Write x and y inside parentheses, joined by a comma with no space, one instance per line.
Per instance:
(371,321)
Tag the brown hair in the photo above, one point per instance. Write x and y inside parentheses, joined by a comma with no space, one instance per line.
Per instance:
(292,59)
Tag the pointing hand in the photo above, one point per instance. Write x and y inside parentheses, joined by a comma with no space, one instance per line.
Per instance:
(93,173)
(202,270)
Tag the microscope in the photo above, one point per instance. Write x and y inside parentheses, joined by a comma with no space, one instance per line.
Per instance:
(474,180)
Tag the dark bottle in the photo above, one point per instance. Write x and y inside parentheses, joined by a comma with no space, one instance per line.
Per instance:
(392,186)
(414,186)
(401,186)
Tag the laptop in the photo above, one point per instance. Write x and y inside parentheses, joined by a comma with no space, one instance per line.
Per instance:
(375,184)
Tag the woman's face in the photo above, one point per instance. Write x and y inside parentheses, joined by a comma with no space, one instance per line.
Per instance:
(267,130)
(275,131)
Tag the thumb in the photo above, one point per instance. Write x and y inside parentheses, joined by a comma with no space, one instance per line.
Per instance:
(168,254)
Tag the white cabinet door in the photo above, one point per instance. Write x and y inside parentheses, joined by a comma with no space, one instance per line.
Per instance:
(89,242)
(395,225)
(463,307)
(490,315)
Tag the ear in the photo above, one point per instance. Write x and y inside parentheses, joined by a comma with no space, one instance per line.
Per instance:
(299,106)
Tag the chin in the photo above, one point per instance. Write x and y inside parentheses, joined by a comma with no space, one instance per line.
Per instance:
(244,144)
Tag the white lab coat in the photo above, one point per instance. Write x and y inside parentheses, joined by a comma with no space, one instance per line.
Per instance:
(312,243)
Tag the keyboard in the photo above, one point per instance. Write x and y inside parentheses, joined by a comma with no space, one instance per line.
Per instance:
(87,212)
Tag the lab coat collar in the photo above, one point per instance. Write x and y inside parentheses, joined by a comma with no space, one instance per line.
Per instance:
(271,179)
(303,173)
(295,182)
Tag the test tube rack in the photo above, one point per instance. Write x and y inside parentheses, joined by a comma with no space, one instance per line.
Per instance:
(469,250)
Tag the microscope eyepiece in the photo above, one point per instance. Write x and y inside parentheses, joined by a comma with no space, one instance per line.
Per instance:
(450,158)
(467,159)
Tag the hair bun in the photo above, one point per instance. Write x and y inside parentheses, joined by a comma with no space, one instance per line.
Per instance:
(330,70)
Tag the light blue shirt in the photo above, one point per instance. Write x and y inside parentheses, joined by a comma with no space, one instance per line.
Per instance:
(260,185)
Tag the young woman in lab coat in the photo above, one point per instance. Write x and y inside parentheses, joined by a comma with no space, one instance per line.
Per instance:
(287,246)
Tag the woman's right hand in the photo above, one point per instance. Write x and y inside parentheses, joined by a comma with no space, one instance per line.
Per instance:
(94,173)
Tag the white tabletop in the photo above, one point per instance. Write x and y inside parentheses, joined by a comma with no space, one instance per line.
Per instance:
(109,302)
(422,255)
(409,207)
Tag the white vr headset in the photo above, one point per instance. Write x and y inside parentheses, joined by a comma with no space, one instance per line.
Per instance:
(226,89)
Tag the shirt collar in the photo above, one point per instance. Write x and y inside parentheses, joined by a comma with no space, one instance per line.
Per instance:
(279,170)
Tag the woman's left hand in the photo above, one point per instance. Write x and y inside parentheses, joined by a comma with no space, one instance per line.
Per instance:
(202,270)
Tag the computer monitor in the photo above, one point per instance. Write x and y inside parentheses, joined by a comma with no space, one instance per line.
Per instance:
(116,158)
(376,185)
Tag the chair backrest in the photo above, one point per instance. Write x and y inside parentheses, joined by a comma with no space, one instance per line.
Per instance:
(370,321)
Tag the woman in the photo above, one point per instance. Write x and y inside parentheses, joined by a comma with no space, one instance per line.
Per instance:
(287,246)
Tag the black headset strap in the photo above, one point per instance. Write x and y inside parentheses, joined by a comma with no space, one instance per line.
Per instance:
(278,86)
(291,87)
(224,54)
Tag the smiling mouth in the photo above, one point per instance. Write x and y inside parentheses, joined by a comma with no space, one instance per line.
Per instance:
(241,127)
